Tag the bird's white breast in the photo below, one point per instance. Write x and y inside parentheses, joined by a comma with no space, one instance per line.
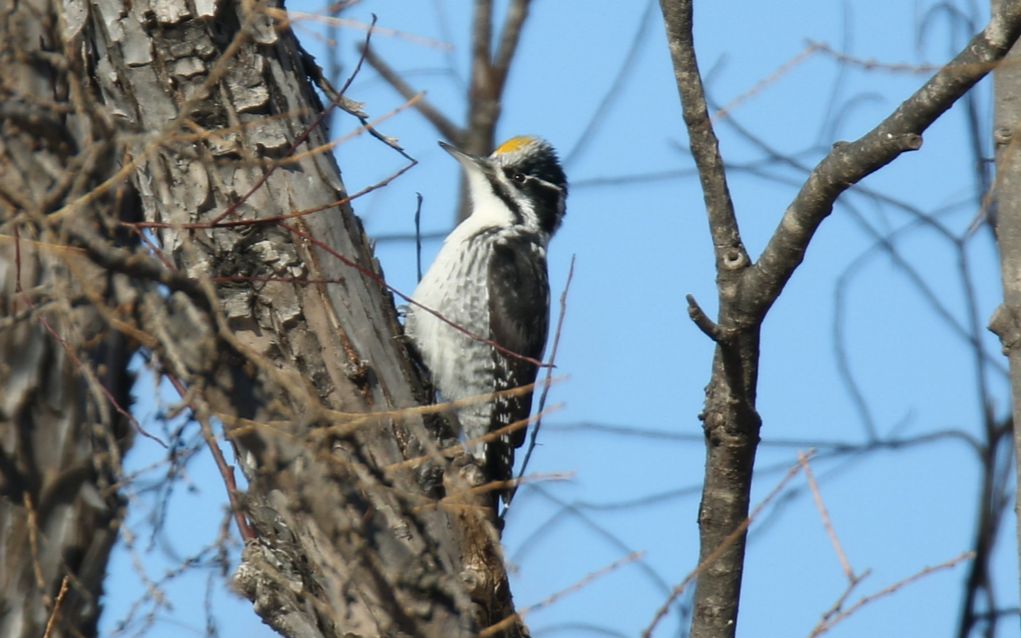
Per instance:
(455,287)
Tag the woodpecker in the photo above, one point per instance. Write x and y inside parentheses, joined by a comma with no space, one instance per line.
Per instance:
(490,281)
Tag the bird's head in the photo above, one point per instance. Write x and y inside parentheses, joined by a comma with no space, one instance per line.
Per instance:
(521,183)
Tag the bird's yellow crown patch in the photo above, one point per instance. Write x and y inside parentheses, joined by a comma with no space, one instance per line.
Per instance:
(513,144)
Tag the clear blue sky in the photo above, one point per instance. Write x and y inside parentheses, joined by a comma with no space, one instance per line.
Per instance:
(631,356)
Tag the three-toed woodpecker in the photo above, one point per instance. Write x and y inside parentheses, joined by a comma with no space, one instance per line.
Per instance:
(490,280)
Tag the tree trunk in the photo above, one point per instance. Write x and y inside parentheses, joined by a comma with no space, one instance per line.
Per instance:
(1006,209)
(260,300)
(63,371)
(279,325)
(747,289)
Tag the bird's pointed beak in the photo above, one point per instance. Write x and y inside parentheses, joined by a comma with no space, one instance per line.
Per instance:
(469,162)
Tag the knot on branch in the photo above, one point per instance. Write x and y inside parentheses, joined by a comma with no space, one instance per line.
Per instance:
(906,142)
(1006,325)
(734,259)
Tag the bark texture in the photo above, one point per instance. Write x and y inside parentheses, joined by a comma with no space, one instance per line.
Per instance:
(63,370)
(271,317)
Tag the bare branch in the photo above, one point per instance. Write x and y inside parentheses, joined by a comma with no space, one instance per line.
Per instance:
(849,163)
(824,515)
(827,624)
(717,552)
(705,147)
(578,586)
(450,131)
(708,327)
(55,613)
(510,36)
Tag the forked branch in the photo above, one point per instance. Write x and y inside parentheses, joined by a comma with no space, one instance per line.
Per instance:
(748,289)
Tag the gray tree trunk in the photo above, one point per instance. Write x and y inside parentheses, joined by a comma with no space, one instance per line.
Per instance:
(280,329)
(748,288)
(63,371)
(1006,207)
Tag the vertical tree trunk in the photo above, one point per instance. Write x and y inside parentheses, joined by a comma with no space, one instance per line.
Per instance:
(1006,208)
(260,299)
(747,289)
(63,372)
(280,326)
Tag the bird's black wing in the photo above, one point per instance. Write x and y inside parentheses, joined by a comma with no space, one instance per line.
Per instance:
(519,321)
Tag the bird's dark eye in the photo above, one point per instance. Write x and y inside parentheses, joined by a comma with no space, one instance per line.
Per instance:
(519,178)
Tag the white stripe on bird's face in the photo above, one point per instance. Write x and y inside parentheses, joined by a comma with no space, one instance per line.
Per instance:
(519,187)
(488,210)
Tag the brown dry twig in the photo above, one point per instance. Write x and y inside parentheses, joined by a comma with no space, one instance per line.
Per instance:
(288,18)
(871,64)
(495,629)
(493,435)
(726,544)
(826,624)
(51,622)
(335,102)
(827,524)
(795,61)
(277,218)
(33,540)
(450,131)
(407,298)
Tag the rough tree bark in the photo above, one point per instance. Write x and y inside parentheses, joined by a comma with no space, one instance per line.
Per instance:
(63,371)
(272,318)
(747,289)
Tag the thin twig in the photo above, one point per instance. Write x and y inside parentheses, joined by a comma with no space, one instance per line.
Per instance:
(288,17)
(450,131)
(17,260)
(32,519)
(721,548)
(455,496)
(785,68)
(87,373)
(625,71)
(366,272)
(827,524)
(871,64)
(493,630)
(849,163)
(824,626)
(245,530)
(55,612)
(459,448)
(418,236)
(543,531)
(235,223)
